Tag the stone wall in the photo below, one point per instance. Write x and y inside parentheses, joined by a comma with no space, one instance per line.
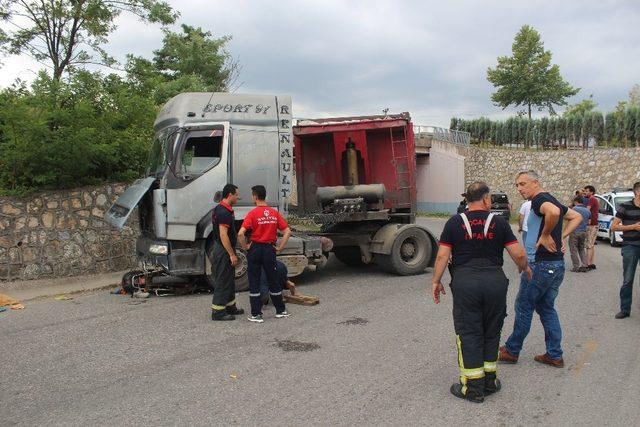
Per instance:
(63,233)
(562,171)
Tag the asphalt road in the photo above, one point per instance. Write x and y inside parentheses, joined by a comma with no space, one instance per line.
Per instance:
(376,351)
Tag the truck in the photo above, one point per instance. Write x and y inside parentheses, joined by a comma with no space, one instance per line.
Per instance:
(355,178)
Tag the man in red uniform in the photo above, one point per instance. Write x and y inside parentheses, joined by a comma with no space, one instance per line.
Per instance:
(592,229)
(263,222)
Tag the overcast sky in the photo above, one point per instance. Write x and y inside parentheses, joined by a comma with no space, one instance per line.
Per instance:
(429,58)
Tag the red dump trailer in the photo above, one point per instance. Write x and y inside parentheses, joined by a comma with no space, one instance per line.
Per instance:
(357,177)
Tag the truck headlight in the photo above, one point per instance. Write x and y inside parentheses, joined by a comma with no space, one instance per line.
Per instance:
(159,249)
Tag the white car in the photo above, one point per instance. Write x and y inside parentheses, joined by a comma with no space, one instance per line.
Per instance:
(609,203)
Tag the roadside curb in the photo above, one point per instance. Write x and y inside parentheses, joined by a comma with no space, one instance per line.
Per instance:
(28,290)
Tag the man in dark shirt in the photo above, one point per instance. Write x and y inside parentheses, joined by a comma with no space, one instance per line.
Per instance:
(592,229)
(223,257)
(475,241)
(546,257)
(627,220)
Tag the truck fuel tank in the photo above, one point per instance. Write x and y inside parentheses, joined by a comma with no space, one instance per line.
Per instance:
(371,193)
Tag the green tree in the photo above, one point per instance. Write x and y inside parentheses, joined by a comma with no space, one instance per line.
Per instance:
(630,124)
(581,108)
(561,131)
(190,61)
(637,130)
(544,132)
(634,95)
(597,127)
(610,127)
(527,78)
(522,130)
(528,138)
(67,34)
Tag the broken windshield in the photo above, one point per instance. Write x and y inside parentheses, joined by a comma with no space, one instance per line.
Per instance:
(160,154)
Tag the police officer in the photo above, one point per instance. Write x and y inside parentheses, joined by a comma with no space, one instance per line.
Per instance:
(223,258)
(263,222)
(473,242)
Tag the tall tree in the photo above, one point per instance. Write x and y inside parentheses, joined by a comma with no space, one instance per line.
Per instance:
(597,128)
(581,108)
(527,78)
(63,34)
(610,127)
(634,95)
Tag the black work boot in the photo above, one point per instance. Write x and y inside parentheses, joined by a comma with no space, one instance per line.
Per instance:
(221,315)
(234,310)
(491,383)
(473,393)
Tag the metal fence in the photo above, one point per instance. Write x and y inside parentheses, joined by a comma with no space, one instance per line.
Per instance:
(443,134)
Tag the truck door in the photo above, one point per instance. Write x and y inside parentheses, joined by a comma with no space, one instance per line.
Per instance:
(200,168)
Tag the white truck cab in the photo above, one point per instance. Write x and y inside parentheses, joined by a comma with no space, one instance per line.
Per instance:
(609,203)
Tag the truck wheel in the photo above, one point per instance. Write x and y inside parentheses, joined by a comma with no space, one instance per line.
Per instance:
(349,255)
(242,278)
(410,253)
(612,239)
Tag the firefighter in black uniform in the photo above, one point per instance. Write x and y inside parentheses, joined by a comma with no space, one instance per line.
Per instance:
(223,258)
(473,242)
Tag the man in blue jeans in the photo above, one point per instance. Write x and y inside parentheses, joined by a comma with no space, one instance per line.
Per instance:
(627,220)
(546,258)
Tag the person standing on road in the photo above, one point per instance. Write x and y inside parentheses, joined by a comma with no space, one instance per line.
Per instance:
(578,239)
(263,222)
(282,278)
(223,258)
(475,241)
(627,220)
(545,252)
(523,217)
(592,230)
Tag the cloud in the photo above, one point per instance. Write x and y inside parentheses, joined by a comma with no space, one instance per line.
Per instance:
(428,58)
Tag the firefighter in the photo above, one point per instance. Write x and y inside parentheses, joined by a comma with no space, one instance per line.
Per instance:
(223,258)
(263,222)
(473,242)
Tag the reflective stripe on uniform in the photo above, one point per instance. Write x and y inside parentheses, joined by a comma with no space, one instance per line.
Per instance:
(465,374)
(490,366)
(254,295)
(217,307)
(229,304)
(275,293)
(467,225)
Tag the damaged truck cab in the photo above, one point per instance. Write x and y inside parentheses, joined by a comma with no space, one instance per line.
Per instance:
(202,141)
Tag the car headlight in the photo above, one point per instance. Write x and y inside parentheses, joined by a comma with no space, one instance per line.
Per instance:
(159,249)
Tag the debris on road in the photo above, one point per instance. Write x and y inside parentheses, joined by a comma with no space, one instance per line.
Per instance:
(12,303)
(62,298)
(7,300)
(301,299)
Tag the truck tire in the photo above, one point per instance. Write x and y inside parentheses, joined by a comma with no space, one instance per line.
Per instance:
(410,253)
(612,240)
(242,278)
(349,255)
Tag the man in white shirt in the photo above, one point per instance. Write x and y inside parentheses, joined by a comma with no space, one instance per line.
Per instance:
(523,217)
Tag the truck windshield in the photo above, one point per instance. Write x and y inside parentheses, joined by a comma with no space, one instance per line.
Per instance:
(160,154)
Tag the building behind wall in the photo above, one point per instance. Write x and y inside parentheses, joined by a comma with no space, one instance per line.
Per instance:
(440,173)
